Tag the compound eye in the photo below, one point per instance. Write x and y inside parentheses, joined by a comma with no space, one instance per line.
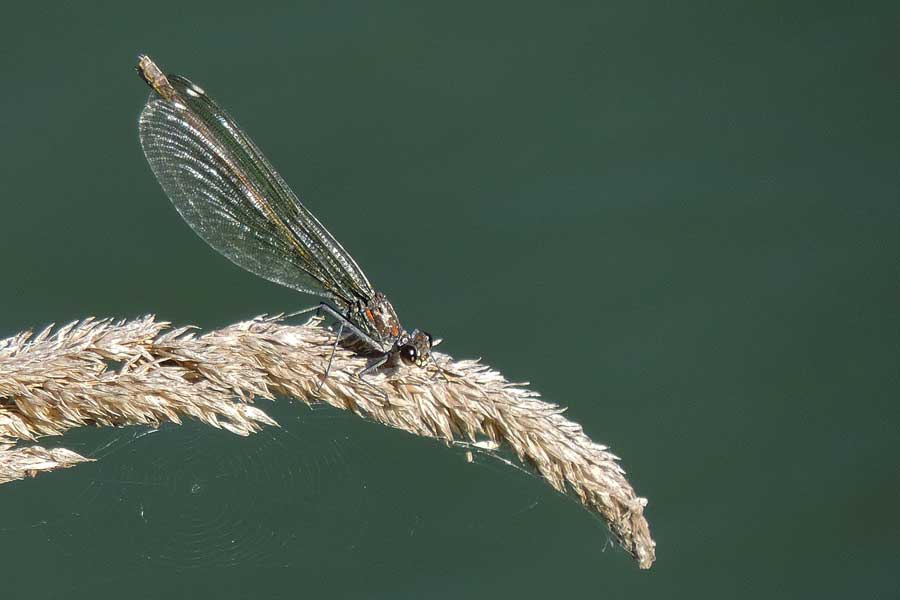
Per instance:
(408,354)
(430,339)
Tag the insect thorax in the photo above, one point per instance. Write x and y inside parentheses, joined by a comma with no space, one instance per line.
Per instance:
(381,319)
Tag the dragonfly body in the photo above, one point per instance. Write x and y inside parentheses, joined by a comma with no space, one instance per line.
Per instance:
(234,199)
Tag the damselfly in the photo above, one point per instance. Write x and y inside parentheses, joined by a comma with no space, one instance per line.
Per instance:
(231,196)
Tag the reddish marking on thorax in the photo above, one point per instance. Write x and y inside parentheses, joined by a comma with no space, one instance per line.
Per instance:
(380,314)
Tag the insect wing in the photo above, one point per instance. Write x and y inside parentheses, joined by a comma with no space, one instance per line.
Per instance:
(227,191)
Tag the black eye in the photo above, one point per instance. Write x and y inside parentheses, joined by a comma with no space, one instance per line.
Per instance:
(430,339)
(408,354)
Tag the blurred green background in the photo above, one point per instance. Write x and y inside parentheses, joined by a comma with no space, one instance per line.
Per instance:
(678,219)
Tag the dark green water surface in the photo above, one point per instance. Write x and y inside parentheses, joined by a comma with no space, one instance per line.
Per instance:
(681,220)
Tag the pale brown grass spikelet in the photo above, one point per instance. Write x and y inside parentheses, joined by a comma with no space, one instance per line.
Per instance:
(142,372)
(28,461)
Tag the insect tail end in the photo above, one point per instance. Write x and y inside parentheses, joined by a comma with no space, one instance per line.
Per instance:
(154,77)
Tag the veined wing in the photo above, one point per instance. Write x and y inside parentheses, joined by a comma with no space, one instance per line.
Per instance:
(227,191)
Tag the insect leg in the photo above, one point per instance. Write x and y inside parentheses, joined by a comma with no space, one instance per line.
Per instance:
(365,338)
(341,318)
(371,368)
(337,339)
(440,370)
(303,311)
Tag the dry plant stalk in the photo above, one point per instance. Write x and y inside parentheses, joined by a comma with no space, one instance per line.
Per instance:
(109,373)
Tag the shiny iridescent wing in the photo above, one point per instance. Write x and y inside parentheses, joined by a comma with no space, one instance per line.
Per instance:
(231,196)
